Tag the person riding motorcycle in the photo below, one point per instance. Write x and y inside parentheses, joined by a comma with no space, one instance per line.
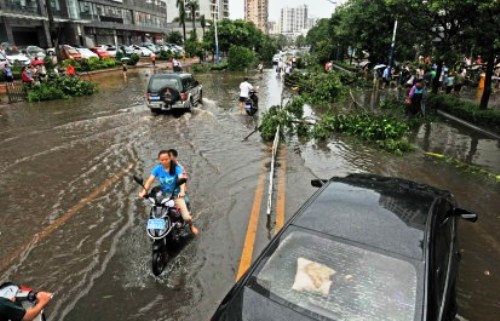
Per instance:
(11,311)
(168,172)
(245,89)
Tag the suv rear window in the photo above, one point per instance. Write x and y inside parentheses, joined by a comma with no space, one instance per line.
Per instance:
(339,281)
(158,82)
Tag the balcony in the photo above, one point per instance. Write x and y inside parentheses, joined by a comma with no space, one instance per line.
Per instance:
(26,8)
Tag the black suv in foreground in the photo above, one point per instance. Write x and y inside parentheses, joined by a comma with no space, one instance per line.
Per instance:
(363,247)
(168,91)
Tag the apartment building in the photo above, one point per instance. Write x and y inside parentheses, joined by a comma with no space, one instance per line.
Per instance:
(257,11)
(208,8)
(294,20)
(85,22)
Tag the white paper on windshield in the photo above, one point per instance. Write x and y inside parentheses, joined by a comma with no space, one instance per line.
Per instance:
(312,277)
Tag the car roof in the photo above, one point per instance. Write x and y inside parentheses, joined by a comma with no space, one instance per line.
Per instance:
(171,75)
(388,214)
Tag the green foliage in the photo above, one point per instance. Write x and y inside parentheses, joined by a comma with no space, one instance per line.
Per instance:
(384,131)
(95,63)
(174,37)
(240,58)
(318,88)
(165,55)
(134,59)
(61,87)
(271,119)
(193,46)
(242,33)
(65,63)
(465,110)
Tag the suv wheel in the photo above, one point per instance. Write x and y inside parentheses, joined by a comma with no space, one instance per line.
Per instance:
(201,98)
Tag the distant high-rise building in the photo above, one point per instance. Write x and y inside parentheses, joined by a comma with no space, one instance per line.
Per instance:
(294,20)
(257,11)
(274,28)
(208,8)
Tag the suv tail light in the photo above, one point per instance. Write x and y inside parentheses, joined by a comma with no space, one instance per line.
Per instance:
(184,96)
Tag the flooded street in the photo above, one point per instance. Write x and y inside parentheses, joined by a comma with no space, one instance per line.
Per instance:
(71,221)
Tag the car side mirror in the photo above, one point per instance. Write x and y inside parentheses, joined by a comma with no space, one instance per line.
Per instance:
(465,214)
(318,182)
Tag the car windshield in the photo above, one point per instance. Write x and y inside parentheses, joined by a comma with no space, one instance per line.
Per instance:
(160,82)
(12,51)
(339,281)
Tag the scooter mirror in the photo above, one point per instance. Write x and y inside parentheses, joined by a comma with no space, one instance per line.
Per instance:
(138,180)
(181,181)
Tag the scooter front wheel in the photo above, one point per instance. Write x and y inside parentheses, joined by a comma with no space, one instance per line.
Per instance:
(158,262)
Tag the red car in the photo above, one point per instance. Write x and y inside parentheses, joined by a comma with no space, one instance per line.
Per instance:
(102,53)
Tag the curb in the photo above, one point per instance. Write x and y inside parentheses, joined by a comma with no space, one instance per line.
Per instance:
(470,125)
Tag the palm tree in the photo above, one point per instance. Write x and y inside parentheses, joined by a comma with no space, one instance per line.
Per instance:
(192,6)
(182,17)
(203,24)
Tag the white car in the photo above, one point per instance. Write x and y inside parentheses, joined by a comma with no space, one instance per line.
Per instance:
(87,53)
(13,55)
(142,51)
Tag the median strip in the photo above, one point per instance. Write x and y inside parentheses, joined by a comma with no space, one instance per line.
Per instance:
(248,246)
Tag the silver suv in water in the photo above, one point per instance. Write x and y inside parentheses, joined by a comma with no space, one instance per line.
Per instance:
(169,91)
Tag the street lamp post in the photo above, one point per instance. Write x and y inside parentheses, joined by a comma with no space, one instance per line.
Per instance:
(393,44)
(216,17)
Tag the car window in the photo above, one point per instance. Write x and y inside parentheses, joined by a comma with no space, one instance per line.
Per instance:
(186,83)
(157,83)
(339,281)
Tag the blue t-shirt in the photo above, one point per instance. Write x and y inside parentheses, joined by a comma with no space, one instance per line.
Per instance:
(167,181)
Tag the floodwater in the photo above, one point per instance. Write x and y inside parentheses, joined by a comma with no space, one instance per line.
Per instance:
(71,221)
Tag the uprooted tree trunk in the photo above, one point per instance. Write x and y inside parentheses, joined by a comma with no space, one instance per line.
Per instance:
(487,81)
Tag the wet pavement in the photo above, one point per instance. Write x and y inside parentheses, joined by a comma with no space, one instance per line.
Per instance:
(72,223)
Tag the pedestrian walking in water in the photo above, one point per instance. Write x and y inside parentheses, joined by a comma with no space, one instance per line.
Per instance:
(416,97)
(124,69)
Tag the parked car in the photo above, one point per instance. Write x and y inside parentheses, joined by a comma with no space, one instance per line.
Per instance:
(109,48)
(68,52)
(87,53)
(154,48)
(363,247)
(142,51)
(127,50)
(13,56)
(168,91)
(34,52)
(101,53)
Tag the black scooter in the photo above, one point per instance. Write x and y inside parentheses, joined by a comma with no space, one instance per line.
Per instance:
(252,103)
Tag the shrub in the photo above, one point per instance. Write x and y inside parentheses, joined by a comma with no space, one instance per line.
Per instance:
(73,62)
(465,110)
(134,59)
(165,55)
(59,88)
(240,58)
